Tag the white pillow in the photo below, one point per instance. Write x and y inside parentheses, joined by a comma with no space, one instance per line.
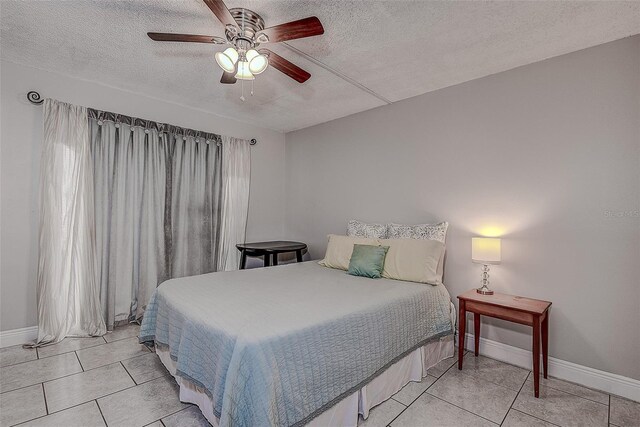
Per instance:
(339,250)
(357,228)
(413,260)
(421,231)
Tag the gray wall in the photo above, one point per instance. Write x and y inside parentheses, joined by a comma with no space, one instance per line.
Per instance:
(546,155)
(20,140)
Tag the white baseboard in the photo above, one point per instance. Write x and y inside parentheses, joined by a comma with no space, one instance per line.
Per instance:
(18,336)
(583,375)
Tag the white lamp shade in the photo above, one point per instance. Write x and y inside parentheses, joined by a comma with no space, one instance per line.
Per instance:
(243,71)
(227,59)
(257,62)
(485,250)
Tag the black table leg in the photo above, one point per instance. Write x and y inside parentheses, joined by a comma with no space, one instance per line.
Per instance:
(299,255)
(275,259)
(243,259)
(266,260)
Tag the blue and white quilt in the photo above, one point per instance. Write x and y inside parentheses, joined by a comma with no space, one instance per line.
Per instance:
(278,346)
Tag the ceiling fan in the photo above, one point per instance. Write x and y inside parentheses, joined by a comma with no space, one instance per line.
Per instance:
(245,32)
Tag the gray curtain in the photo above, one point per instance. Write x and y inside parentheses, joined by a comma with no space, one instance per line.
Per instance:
(157,202)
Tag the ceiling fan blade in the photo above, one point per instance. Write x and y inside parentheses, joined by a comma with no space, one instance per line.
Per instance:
(286,67)
(228,78)
(220,10)
(190,38)
(306,27)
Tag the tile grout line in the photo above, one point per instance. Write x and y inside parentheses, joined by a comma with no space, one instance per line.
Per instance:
(96,399)
(78,357)
(69,351)
(459,407)
(425,391)
(128,373)
(577,395)
(515,397)
(101,414)
(44,395)
(536,417)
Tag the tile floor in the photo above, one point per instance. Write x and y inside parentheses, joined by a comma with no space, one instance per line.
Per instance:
(115,381)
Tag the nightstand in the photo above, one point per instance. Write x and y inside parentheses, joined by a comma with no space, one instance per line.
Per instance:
(526,311)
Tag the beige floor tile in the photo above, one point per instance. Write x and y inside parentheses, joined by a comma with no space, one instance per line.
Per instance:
(69,344)
(476,395)
(155,424)
(495,371)
(190,417)
(145,368)
(16,354)
(624,412)
(79,388)
(122,332)
(37,371)
(381,415)
(143,404)
(561,408)
(520,419)
(85,415)
(112,352)
(442,366)
(571,388)
(412,390)
(22,405)
(428,410)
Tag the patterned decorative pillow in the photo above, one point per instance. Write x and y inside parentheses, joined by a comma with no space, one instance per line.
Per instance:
(357,228)
(436,232)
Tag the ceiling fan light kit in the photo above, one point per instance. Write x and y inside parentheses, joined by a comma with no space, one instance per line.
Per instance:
(245,31)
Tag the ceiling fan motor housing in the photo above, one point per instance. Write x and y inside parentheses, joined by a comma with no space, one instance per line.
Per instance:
(249,24)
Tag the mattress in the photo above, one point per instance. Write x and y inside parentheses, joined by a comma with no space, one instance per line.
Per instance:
(281,345)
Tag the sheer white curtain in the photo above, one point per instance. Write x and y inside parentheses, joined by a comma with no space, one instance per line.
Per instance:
(67,285)
(236,176)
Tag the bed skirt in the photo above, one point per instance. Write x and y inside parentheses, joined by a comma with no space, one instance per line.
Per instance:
(412,367)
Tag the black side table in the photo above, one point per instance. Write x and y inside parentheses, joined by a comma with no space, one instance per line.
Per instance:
(269,250)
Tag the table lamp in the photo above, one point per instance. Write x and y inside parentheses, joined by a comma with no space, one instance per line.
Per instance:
(485,251)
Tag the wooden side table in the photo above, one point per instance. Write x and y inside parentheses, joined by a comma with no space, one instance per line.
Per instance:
(269,250)
(526,311)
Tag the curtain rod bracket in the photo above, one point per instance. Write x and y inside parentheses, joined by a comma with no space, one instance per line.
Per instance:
(34,97)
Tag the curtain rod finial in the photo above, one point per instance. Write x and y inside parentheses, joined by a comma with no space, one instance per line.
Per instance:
(253,141)
(34,97)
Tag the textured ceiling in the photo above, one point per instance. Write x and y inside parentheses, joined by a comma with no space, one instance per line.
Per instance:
(385,51)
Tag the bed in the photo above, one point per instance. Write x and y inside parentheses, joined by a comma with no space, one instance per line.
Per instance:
(297,344)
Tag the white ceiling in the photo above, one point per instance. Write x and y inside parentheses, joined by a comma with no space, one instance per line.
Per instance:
(386,50)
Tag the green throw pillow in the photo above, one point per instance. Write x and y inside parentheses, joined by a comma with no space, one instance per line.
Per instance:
(367,261)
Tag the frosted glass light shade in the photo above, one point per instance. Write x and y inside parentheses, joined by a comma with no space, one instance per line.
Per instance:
(227,59)
(257,62)
(486,250)
(243,71)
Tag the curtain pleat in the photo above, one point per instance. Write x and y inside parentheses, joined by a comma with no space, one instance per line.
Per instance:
(67,286)
(195,206)
(130,191)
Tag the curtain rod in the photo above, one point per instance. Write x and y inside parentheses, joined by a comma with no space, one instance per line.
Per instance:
(35,98)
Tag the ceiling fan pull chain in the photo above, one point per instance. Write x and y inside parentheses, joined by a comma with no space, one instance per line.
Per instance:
(242,89)
(252,87)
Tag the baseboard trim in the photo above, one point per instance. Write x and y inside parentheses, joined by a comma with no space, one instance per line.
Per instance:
(18,336)
(579,374)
